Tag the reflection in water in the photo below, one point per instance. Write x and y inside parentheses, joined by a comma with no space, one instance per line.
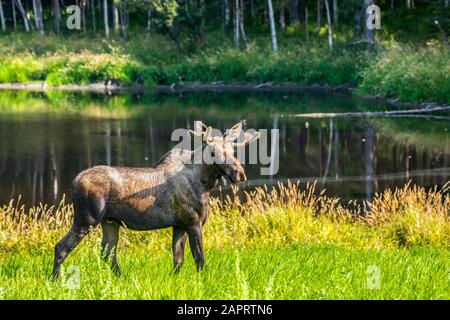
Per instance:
(45,140)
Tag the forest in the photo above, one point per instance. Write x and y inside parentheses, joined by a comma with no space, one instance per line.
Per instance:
(173,42)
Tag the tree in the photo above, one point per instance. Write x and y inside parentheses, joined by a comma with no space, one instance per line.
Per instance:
(2,17)
(38,19)
(319,15)
(370,39)
(115,14)
(330,26)
(273,31)
(105,18)
(241,24)
(236,24)
(57,15)
(22,12)
(335,12)
(14,14)
(282,18)
(94,20)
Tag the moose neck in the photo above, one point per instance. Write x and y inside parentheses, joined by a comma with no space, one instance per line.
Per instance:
(206,173)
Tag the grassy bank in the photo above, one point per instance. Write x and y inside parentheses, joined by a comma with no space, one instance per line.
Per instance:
(407,73)
(282,244)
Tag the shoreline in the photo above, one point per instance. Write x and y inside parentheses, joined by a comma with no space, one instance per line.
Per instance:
(101,88)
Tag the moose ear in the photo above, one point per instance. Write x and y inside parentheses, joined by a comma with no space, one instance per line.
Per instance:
(234,132)
(248,138)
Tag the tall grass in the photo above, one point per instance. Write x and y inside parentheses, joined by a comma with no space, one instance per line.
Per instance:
(404,217)
(283,243)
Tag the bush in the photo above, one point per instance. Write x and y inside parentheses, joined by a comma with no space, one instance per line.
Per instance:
(410,74)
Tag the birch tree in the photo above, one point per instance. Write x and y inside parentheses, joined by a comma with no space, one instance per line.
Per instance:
(236,24)
(330,26)
(22,12)
(273,32)
(2,17)
(41,16)
(115,14)
(105,18)
(241,24)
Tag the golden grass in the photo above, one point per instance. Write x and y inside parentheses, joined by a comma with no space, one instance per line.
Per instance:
(403,217)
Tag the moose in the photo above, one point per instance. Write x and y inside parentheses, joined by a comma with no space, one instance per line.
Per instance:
(174,193)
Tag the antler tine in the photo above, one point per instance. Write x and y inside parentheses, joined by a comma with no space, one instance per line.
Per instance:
(237,125)
(195,133)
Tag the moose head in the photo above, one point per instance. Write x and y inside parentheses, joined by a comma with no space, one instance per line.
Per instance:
(218,151)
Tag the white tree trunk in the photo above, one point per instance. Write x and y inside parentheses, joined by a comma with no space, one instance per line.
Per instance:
(41,16)
(36,15)
(241,24)
(105,18)
(26,22)
(236,25)
(2,17)
(330,26)
(273,31)
(115,11)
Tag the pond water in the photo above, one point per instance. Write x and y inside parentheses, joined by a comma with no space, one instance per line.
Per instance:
(46,139)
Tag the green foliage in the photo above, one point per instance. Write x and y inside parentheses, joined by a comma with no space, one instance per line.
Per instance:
(402,72)
(410,74)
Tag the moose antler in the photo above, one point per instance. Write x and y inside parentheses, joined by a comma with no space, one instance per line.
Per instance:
(201,130)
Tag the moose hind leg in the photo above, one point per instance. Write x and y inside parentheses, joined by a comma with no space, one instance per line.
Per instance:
(66,246)
(178,244)
(109,244)
(196,244)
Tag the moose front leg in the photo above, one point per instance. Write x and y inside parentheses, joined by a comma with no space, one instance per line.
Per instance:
(196,244)
(178,244)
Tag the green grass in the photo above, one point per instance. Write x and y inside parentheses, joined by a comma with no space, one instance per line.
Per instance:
(285,272)
(404,72)
(278,244)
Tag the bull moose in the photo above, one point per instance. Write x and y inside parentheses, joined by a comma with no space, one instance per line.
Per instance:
(174,193)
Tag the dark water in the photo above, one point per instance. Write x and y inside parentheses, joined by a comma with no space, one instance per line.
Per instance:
(46,139)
